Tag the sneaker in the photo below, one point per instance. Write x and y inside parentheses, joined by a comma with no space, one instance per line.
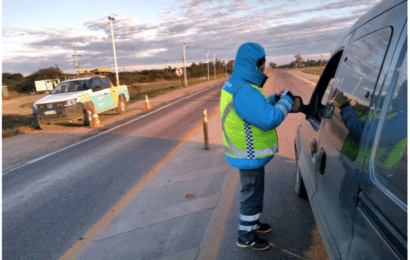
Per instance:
(256,243)
(263,228)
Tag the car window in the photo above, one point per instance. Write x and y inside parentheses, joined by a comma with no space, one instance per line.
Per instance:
(354,86)
(95,82)
(105,83)
(322,90)
(71,86)
(390,163)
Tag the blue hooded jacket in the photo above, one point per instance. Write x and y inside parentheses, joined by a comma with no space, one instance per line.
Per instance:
(249,103)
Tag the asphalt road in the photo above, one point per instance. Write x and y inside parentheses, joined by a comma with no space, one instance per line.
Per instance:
(49,204)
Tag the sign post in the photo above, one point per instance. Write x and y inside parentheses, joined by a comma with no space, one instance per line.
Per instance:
(179,72)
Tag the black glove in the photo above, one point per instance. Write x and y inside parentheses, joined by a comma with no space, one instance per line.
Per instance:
(288,93)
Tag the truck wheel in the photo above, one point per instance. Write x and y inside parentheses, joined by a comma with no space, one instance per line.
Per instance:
(299,185)
(122,105)
(88,117)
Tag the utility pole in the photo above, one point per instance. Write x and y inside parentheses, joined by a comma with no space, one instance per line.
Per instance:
(321,59)
(226,67)
(75,58)
(183,60)
(207,61)
(214,66)
(111,18)
(166,66)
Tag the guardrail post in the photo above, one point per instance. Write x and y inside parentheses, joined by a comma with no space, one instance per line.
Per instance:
(205,117)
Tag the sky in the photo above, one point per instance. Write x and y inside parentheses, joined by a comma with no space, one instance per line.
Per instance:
(150,34)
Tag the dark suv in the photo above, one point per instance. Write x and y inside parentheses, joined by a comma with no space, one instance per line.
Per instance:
(351,148)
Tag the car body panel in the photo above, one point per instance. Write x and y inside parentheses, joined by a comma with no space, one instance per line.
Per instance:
(335,184)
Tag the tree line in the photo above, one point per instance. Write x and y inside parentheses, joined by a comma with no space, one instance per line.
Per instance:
(17,82)
(300,62)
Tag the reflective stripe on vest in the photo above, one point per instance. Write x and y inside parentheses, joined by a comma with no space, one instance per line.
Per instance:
(250,152)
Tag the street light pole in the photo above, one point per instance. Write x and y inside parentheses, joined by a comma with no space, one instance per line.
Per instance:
(214,66)
(183,59)
(207,61)
(111,18)
(226,68)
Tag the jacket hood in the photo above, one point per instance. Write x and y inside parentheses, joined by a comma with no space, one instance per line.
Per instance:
(246,63)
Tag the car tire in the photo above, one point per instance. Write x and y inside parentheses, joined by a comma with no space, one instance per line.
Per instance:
(300,189)
(122,105)
(88,117)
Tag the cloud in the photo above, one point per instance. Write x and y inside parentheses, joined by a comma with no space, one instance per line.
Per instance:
(218,26)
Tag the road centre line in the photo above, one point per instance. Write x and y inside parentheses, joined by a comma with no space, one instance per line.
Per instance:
(6,171)
(90,236)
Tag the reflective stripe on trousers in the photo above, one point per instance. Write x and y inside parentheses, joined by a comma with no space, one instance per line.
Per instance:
(252,190)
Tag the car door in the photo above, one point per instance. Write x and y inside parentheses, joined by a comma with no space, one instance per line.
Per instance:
(99,95)
(380,230)
(339,168)
(310,128)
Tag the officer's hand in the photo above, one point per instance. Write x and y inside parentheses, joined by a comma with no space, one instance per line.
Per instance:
(288,93)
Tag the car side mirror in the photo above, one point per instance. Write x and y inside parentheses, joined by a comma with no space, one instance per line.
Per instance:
(329,110)
(298,106)
(97,88)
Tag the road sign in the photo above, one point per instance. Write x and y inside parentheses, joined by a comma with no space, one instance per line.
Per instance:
(179,71)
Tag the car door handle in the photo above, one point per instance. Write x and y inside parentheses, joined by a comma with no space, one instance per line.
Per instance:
(321,162)
(313,146)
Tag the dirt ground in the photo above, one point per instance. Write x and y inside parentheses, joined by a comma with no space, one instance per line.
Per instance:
(24,147)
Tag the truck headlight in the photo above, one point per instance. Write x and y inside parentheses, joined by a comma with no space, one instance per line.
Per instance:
(70,102)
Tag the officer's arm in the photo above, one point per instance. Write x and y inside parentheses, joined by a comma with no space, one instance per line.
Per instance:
(254,109)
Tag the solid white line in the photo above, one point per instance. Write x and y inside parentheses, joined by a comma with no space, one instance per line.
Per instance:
(95,136)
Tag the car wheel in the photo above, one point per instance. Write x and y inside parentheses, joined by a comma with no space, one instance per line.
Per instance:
(122,106)
(299,185)
(88,117)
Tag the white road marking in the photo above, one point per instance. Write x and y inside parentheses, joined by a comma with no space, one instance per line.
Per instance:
(314,84)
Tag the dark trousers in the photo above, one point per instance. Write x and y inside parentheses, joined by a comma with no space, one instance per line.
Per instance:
(252,190)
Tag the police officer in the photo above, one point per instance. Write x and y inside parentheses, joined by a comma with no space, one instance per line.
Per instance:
(249,120)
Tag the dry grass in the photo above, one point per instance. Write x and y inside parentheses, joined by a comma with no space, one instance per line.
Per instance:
(17,124)
(314,71)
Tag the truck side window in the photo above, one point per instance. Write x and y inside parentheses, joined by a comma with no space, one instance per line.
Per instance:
(390,162)
(354,86)
(95,83)
(105,83)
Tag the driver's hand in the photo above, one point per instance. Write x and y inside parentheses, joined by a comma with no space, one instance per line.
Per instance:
(296,104)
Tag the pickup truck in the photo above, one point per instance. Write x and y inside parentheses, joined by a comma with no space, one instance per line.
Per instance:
(73,100)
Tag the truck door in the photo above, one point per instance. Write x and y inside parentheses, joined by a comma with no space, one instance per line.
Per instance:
(99,96)
(111,94)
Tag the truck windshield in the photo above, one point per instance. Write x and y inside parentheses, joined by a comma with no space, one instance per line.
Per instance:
(71,86)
